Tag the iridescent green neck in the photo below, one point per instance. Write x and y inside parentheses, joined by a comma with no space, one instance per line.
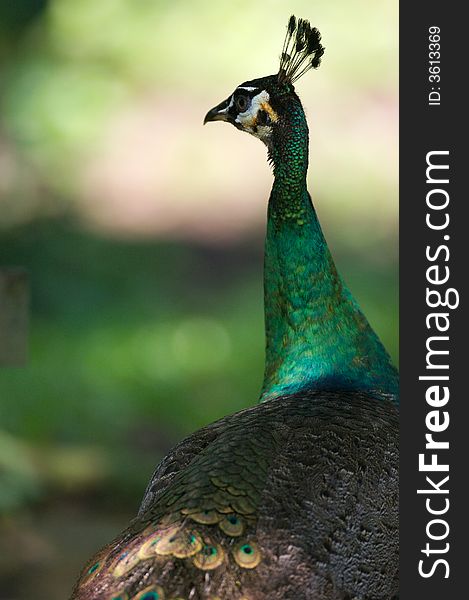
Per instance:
(316,335)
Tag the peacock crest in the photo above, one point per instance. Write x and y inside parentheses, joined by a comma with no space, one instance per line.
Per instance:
(302,51)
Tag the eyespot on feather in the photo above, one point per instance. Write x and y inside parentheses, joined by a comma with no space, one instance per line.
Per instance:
(125,563)
(232,525)
(152,592)
(180,543)
(206,517)
(247,554)
(148,548)
(92,571)
(210,557)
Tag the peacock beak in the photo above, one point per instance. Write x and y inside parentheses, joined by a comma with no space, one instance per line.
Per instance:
(219,113)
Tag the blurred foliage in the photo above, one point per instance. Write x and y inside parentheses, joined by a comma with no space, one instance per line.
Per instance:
(147,325)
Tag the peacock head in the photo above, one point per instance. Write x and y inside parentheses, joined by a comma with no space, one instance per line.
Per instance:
(260,106)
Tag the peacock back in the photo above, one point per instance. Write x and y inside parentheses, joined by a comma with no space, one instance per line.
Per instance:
(295,498)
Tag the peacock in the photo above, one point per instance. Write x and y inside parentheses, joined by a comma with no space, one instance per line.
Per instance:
(295,498)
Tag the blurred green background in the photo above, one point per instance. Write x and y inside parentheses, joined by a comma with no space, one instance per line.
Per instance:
(142,233)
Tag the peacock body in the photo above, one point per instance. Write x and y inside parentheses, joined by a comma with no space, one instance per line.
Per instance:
(297,497)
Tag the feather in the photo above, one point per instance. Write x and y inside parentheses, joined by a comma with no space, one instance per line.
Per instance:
(302,51)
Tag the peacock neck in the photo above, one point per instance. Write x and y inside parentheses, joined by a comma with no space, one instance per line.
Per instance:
(316,335)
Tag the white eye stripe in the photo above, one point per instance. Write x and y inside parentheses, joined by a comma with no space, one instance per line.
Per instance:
(258,99)
(247,88)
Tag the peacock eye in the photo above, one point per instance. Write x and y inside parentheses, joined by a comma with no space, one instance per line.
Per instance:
(242,102)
